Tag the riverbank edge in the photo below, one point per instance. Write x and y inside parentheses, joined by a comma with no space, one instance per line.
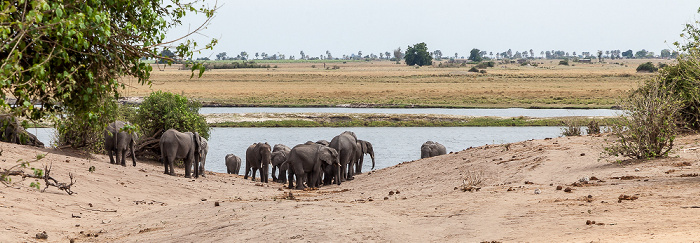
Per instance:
(218,103)
(390,120)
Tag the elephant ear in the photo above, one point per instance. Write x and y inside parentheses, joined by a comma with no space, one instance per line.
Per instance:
(365,149)
(326,155)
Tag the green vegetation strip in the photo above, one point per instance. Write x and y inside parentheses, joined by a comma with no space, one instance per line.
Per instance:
(472,122)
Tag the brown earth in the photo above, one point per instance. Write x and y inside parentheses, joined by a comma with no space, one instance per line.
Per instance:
(417,201)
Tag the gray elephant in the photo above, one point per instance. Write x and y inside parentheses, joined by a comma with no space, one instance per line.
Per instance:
(258,156)
(430,149)
(279,155)
(347,147)
(233,164)
(203,160)
(119,144)
(307,162)
(11,131)
(176,145)
(365,148)
(323,142)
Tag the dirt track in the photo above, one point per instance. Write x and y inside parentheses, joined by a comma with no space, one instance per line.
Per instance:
(128,204)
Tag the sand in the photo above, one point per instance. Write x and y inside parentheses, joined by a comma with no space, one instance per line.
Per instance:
(416,201)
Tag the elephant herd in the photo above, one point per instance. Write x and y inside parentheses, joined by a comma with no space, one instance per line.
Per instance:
(311,164)
(174,145)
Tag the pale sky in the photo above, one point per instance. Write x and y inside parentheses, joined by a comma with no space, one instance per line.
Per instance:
(373,26)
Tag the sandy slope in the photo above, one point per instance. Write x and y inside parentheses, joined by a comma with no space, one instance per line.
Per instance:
(142,204)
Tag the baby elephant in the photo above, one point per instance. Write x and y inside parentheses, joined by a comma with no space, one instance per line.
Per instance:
(430,149)
(233,164)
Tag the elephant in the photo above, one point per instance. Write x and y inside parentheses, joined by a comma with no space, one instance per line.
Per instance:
(430,149)
(279,155)
(205,150)
(233,164)
(323,142)
(365,148)
(258,156)
(306,163)
(347,147)
(11,131)
(175,145)
(118,145)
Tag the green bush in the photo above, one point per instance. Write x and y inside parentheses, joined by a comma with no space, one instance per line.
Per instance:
(649,125)
(564,62)
(85,130)
(484,65)
(686,79)
(474,69)
(647,67)
(161,111)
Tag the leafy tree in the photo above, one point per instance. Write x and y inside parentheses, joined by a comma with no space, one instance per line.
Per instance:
(641,54)
(244,55)
(438,54)
(474,55)
(303,56)
(418,55)
(665,53)
(221,56)
(257,55)
(600,56)
(70,55)
(628,54)
(398,55)
(161,111)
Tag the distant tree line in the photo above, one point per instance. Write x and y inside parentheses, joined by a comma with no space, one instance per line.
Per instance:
(475,55)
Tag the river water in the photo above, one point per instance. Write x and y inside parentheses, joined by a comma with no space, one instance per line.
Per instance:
(392,145)
(509,112)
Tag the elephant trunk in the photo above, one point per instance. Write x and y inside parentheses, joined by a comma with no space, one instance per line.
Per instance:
(337,171)
(133,152)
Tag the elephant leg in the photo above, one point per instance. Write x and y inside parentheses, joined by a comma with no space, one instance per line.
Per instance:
(188,168)
(263,174)
(274,177)
(133,155)
(358,166)
(123,154)
(247,169)
(300,180)
(165,163)
(282,178)
(111,156)
(254,171)
(290,177)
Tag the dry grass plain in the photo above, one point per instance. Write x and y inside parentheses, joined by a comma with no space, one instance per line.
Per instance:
(384,83)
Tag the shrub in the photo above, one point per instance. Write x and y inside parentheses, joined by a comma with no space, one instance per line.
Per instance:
(161,111)
(593,127)
(86,130)
(474,69)
(647,67)
(484,65)
(564,62)
(649,125)
(571,128)
(686,80)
